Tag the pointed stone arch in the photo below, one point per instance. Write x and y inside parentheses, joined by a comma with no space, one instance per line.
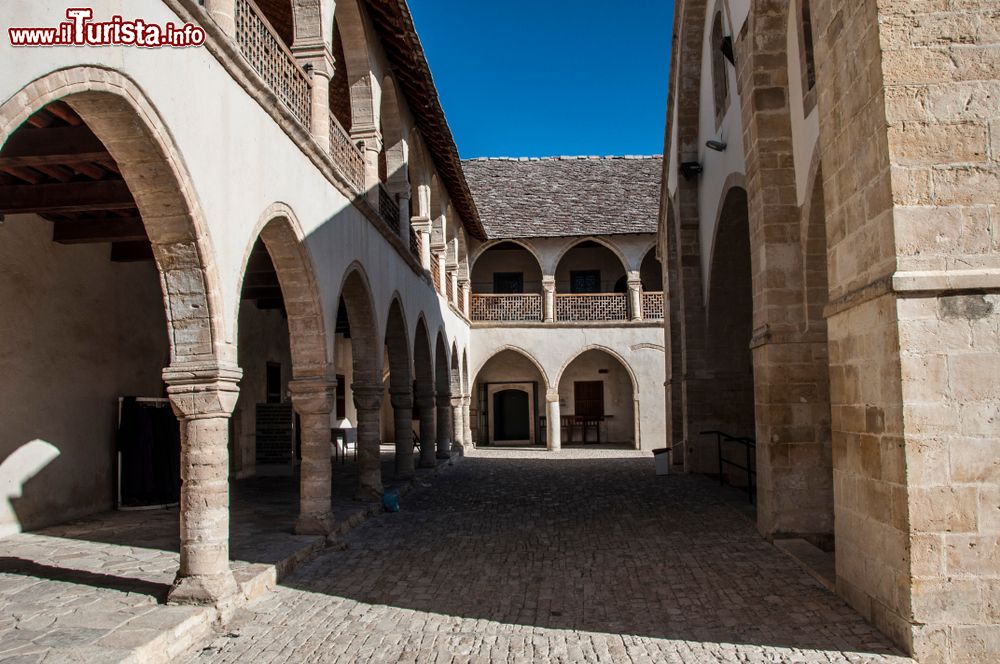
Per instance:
(576,242)
(281,233)
(520,351)
(350,28)
(121,116)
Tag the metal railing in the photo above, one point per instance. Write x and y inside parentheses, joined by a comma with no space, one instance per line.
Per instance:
(387,208)
(652,305)
(507,307)
(268,55)
(751,463)
(592,306)
(346,155)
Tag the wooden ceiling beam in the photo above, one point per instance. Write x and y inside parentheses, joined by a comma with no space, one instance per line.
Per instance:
(53,159)
(111,229)
(28,142)
(65,197)
(130,252)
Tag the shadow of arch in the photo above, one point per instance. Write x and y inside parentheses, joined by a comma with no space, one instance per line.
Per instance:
(570,246)
(121,116)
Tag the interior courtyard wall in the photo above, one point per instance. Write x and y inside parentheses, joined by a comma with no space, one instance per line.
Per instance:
(619,404)
(98,333)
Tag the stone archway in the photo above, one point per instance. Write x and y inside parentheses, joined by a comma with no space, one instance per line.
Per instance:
(366,386)
(400,387)
(443,385)
(509,369)
(202,377)
(423,369)
(601,392)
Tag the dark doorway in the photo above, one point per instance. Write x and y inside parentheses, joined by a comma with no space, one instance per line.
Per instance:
(588,398)
(508,282)
(585,281)
(510,415)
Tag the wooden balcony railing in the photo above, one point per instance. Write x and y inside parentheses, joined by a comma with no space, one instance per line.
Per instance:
(387,208)
(592,306)
(268,55)
(652,305)
(346,155)
(436,273)
(507,307)
(450,289)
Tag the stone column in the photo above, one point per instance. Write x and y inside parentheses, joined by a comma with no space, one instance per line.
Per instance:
(553,433)
(444,426)
(203,397)
(402,410)
(457,426)
(371,148)
(549,300)
(223,12)
(314,400)
(368,401)
(464,295)
(422,226)
(315,58)
(467,421)
(635,296)
(453,276)
(425,409)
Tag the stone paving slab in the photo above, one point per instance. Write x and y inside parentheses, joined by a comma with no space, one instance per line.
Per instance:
(94,590)
(578,556)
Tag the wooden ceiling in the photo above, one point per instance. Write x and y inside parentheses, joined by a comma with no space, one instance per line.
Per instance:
(54,166)
(260,283)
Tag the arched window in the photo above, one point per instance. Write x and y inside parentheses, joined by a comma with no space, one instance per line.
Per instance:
(807,60)
(720,83)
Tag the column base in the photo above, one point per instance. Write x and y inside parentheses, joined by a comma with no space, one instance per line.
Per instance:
(366,493)
(219,590)
(315,524)
(427,463)
(443,455)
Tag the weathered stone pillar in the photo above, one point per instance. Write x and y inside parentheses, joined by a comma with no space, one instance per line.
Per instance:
(203,397)
(549,299)
(368,401)
(315,57)
(634,296)
(422,226)
(453,277)
(223,12)
(467,421)
(314,400)
(464,295)
(457,426)
(444,426)
(371,140)
(425,409)
(402,410)
(553,433)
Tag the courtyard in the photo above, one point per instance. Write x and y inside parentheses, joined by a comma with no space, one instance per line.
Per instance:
(518,555)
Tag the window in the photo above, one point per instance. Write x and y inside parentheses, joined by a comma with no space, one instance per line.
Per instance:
(585,281)
(508,282)
(808,59)
(720,81)
(588,398)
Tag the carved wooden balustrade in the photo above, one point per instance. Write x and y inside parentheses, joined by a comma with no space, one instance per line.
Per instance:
(507,307)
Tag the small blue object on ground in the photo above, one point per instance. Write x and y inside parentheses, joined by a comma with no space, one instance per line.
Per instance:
(390,500)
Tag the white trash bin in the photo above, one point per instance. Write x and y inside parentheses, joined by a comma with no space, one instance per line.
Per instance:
(661,459)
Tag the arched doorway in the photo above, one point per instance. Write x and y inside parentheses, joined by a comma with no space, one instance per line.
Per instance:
(598,401)
(509,395)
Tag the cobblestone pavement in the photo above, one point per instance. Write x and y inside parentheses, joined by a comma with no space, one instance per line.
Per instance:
(519,556)
(93,590)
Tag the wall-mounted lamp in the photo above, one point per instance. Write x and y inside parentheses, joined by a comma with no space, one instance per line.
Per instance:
(727,49)
(690,169)
(718,146)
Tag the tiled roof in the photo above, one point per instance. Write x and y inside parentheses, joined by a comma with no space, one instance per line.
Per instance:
(394,23)
(560,196)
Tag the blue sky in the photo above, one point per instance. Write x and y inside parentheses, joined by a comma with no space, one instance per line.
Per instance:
(549,77)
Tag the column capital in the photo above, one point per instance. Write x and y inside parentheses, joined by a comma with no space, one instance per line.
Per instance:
(424,401)
(457,402)
(370,136)
(421,224)
(402,399)
(552,395)
(367,397)
(315,57)
(548,282)
(313,396)
(203,390)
